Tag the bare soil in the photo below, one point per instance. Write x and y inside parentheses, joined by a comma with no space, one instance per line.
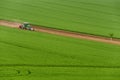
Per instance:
(63,33)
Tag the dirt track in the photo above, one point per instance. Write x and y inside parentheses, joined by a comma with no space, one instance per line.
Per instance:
(63,33)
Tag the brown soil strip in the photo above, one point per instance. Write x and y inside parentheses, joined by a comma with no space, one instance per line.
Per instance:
(63,33)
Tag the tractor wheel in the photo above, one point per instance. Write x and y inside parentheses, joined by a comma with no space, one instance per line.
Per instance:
(31,29)
(20,27)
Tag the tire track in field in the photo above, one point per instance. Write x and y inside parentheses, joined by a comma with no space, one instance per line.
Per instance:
(63,33)
(6,69)
(13,72)
(59,65)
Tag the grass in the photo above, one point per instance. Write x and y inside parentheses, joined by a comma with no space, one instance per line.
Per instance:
(26,55)
(100,17)
(38,54)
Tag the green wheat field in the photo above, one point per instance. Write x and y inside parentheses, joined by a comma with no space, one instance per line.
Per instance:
(29,55)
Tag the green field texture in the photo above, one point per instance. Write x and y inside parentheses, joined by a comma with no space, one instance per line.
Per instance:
(34,48)
(99,17)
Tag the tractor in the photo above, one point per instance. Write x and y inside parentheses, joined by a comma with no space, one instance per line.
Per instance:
(26,26)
